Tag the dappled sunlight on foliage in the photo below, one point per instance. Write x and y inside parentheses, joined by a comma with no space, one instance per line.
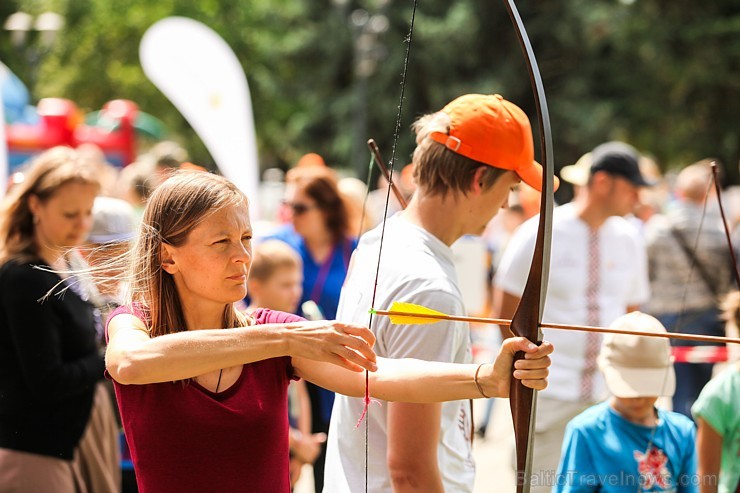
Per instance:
(659,74)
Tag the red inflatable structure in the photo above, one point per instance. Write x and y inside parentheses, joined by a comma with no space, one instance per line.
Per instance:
(114,129)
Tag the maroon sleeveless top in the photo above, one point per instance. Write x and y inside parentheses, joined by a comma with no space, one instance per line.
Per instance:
(184,438)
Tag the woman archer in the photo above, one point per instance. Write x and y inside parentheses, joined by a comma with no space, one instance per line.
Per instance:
(202,387)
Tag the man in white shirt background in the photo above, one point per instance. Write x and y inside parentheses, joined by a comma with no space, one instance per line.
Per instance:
(598,272)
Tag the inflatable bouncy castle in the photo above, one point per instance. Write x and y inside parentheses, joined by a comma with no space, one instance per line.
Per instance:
(30,130)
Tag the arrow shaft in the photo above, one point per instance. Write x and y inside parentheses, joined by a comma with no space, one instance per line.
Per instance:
(381,164)
(580,328)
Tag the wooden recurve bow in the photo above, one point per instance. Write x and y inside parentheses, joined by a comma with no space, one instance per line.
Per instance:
(528,316)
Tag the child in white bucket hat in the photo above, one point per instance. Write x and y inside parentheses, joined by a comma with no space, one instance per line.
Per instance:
(626,444)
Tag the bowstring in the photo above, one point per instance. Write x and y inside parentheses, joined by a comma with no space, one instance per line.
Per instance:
(391,167)
(692,265)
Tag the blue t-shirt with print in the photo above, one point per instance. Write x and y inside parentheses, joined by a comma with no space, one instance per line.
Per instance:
(602,451)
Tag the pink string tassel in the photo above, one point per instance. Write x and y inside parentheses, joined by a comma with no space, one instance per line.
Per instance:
(367,400)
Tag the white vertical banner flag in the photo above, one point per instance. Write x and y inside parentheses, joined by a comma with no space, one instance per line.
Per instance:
(195,68)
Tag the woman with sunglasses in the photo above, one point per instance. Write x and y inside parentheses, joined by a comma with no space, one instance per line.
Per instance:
(318,231)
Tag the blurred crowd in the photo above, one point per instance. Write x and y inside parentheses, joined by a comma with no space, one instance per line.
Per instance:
(632,239)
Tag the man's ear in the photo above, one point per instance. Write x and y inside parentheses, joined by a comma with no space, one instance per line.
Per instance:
(600,181)
(168,261)
(476,185)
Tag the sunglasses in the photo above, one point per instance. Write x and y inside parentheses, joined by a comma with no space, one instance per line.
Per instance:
(298,208)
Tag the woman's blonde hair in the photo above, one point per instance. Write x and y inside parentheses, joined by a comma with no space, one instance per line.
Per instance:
(49,172)
(175,207)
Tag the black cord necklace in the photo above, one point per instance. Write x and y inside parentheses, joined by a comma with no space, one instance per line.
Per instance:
(218,384)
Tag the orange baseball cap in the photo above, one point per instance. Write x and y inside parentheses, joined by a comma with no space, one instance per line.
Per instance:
(493,131)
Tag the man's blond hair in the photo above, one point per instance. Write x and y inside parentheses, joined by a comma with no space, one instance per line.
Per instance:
(439,170)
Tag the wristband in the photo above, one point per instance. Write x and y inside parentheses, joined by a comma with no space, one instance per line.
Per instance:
(477,384)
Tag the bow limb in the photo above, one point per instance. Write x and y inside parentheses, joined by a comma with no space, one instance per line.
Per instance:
(528,316)
(728,235)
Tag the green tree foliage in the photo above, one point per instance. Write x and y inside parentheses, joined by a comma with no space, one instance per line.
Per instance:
(660,74)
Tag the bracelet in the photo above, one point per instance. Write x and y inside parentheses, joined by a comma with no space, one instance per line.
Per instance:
(477,384)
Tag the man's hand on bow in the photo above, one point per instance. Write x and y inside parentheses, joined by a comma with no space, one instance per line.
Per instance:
(532,370)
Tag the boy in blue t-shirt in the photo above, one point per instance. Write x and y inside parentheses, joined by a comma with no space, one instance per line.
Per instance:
(275,282)
(626,444)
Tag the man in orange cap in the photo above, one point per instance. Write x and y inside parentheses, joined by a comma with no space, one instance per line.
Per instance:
(468,158)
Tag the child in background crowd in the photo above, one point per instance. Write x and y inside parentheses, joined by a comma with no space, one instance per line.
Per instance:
(626,444)
(319,232)
(275,282)
(113,228)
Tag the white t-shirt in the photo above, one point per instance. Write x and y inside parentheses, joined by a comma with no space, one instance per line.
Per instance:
(623,282)
(415,267)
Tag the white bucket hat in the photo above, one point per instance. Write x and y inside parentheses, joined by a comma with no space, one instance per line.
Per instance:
(113,221)
(637,366)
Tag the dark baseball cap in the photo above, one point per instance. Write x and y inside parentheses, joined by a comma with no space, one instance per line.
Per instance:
(618,158)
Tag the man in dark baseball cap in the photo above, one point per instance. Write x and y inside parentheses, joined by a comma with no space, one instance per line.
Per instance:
(598,272)
(618,158)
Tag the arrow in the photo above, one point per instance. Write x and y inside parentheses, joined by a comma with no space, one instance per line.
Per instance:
(381,164)
(411,314)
